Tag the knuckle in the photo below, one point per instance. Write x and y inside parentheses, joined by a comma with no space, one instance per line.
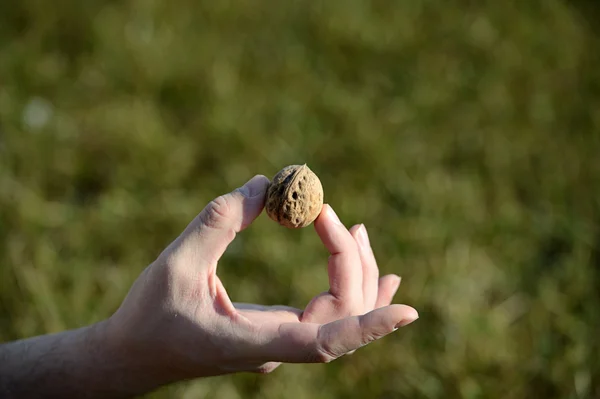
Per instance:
(324,351)
(217,212)
(325,354)
(368,337)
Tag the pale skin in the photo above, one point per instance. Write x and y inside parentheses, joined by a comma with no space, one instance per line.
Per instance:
(178,323)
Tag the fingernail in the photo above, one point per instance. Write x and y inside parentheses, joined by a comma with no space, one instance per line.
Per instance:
(407,320)
(333,215)
(255,186)
(363,237)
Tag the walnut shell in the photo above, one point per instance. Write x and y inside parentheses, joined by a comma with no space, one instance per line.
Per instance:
(294,197)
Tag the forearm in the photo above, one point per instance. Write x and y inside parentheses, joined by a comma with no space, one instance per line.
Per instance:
(82,363)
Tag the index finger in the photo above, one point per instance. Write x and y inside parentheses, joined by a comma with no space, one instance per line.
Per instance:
(344,267)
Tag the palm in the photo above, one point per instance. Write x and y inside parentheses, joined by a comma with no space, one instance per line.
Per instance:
(355,289)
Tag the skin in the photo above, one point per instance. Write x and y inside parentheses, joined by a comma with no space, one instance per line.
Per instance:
(177,321)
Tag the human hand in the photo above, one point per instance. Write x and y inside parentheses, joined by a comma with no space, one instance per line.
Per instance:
(177,322)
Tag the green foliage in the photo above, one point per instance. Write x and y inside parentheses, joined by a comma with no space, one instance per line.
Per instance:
(465,135)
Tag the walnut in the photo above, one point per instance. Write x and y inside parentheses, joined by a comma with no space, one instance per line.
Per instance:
(294,197)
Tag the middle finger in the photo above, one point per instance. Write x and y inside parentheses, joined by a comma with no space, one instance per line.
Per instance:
(370,271)
(344,266)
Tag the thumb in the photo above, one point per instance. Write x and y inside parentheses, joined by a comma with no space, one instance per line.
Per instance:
(322,343)
(206,238)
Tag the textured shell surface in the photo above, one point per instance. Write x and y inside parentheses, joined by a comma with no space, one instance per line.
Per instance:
(294,197)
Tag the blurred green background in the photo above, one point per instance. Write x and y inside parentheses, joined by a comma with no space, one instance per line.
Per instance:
(465,135)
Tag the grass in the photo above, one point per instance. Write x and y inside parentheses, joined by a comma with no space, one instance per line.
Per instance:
(465,135)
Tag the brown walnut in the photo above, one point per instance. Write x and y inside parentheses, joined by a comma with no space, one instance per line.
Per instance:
(294,197)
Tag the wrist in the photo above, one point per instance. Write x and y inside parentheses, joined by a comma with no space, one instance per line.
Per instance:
(141,360)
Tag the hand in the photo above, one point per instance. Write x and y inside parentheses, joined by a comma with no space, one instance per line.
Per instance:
(177,322)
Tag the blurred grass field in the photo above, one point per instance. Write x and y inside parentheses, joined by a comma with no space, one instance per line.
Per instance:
(465,135)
